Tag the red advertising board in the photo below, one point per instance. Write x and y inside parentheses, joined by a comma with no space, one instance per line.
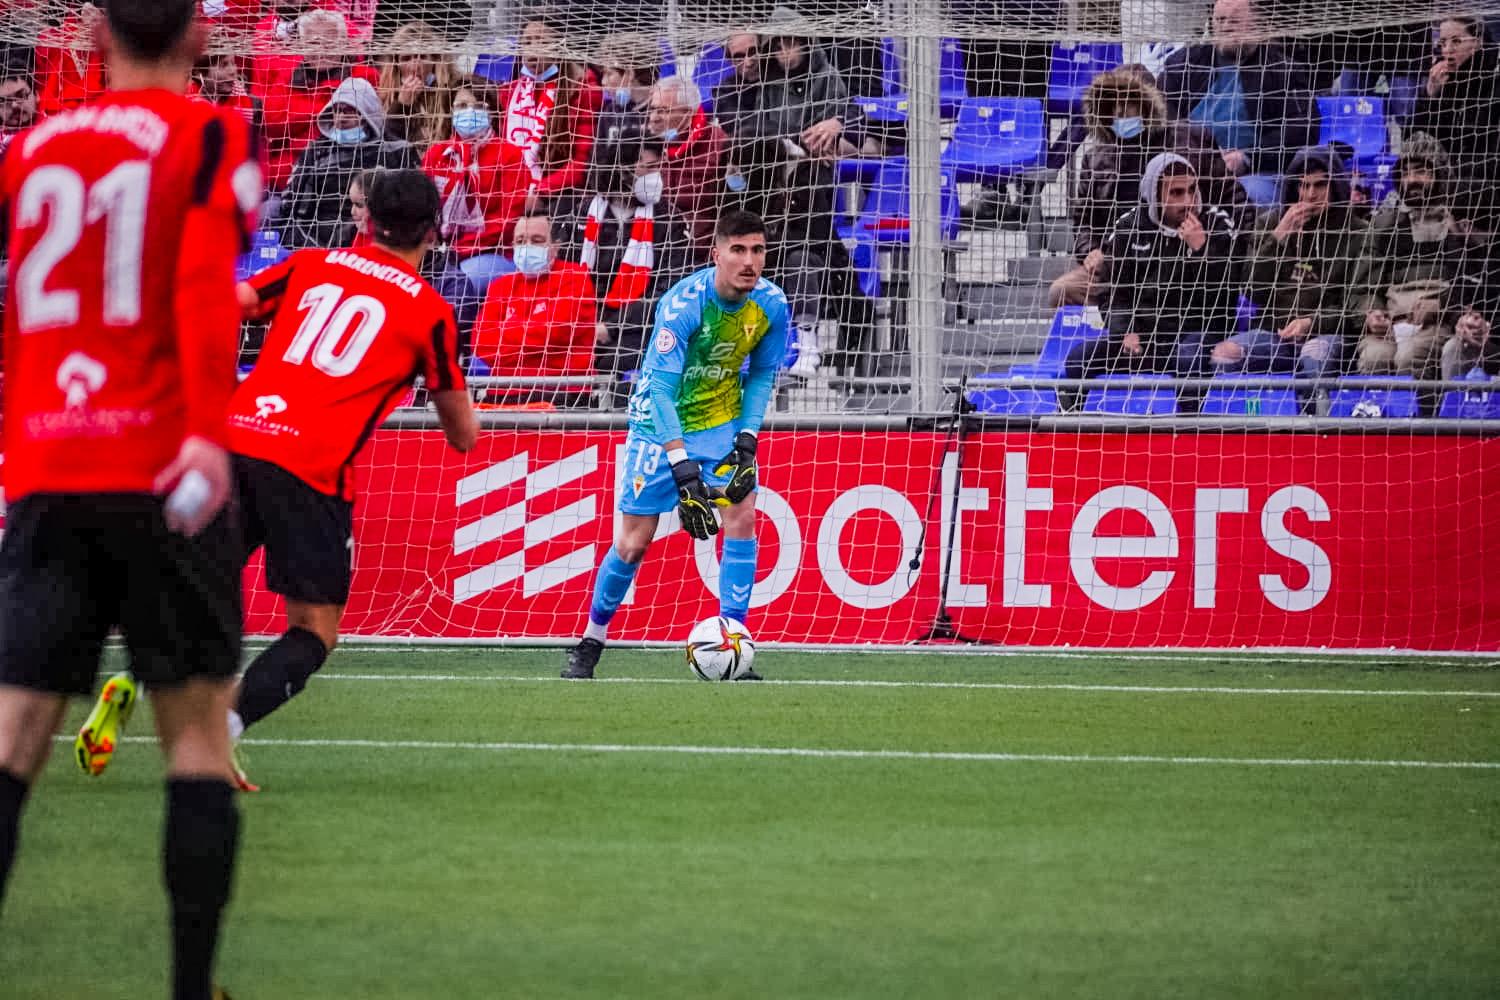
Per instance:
(1080,539)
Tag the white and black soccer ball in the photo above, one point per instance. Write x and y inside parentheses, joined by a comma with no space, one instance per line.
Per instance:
(720,649)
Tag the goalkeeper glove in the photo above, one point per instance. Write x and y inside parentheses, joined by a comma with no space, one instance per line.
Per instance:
(695,501)
(739,466)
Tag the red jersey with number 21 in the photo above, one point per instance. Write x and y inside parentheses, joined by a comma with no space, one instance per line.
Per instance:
(121,329)
(351,330)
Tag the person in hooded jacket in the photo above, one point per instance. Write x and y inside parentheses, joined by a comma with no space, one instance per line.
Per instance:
(1127,120)
(1303,261)
(1460,108)
(351,139)
(1173,280)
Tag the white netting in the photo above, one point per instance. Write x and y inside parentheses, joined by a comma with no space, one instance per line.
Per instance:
(954,192)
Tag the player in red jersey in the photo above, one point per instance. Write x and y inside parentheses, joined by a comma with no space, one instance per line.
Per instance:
(349,328)
(120,340)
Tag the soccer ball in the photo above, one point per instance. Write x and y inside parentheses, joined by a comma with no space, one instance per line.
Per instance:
(720,649)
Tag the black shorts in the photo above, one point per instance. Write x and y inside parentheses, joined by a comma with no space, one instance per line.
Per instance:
(75,566)
(308,536)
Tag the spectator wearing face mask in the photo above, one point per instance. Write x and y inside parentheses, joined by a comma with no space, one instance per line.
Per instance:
(628,68)
(635,247)
(1128,123)
(484,182)
(694,151)
(351,127)
(295,98)
(547,112)
(540,321)
(417,85)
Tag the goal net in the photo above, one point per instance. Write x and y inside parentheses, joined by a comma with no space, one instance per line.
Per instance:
(1155,323)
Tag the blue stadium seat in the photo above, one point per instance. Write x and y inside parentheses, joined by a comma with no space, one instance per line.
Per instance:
(1374,403)
(1472,404)
(1379,175)
(265,251)
(1013,401)
(1142,401)
(712,69)
(953,85)
(891,108)
(997,138)
(1245,312)
(1073,67)
(1354,119)
(1260,400)
(497,67)
(1402,103)
(1069,329)
(885,214)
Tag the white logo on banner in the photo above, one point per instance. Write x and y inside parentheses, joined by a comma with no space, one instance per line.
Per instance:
(534,529)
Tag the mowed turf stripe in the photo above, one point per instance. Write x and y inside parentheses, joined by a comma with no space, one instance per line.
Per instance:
(977,685)
(840,754)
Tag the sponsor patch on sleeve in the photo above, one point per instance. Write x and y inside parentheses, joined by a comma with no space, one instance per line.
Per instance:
(666,342)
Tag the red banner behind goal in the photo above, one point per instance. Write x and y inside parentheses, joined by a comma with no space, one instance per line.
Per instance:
(1146,540)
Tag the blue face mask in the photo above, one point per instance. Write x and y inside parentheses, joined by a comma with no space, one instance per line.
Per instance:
(1128,128)
(669,135)
(470,123)
(532,261)
(545,74)
(620,97)
(347,136)
(735,182)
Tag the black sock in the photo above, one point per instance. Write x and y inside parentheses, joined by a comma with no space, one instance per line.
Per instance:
(203,829)
(279,673)
(12,798)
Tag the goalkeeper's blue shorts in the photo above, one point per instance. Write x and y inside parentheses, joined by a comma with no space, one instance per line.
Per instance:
(646,485)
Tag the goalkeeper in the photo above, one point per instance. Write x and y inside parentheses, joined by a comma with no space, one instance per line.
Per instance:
(694,417)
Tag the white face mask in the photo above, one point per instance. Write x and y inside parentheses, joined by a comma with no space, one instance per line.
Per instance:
(648,188)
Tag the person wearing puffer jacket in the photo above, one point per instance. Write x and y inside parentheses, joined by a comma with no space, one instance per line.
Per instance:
(351,139)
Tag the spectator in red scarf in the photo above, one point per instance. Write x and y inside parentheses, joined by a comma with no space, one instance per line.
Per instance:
(635,248)
(539,321)
(547,112)
(694,151)
(292,104)
(484,182)
(69,68)
(217,80)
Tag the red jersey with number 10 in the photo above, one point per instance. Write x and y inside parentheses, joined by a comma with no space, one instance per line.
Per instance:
(121,329)
(351,330)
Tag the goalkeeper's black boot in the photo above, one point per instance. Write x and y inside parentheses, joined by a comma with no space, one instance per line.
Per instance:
(582,659)
(749,675)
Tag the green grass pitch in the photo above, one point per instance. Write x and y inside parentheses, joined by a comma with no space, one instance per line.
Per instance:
(443,823)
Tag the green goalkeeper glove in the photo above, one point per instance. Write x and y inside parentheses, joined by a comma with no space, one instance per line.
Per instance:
(695,501)
(739,466)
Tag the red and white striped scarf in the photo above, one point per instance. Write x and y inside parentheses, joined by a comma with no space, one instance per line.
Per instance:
(634,276)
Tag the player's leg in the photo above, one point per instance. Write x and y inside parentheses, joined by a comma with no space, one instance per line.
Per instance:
(737,566)
(616,573)
(56,605)
(280,673)
(201,834)
(309,543)
(99,737)
(28,719)
(181,620)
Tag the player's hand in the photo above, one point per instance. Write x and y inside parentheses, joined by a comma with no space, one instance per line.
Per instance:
(739,466)
(196,485)
(1192,232)
(695,501)
(1437,77)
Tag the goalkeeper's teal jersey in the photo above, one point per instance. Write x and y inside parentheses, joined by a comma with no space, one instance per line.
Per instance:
(706,342)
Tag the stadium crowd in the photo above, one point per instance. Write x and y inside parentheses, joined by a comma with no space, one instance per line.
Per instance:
(1209,227)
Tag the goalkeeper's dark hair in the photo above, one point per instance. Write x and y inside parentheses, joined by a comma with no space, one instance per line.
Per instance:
(404,206)
(149,29)
(736,223)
